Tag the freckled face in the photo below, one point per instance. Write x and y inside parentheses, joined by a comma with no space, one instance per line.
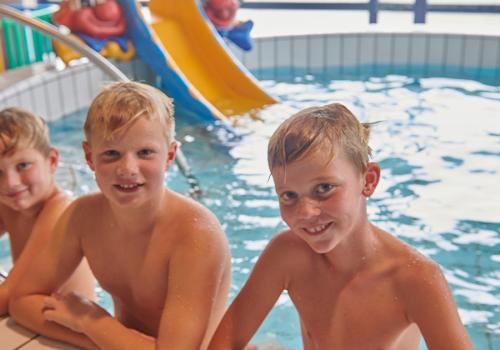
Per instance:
(321,200)
(130,168)
(26,177)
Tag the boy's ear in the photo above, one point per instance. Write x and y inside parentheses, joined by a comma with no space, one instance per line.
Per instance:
(371,179)
(53,159)
(172,151)
(88,154)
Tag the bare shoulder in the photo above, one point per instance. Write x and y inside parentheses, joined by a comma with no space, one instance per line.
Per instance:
(59,197)
(419,274)
(84,211)
(89,203)
(407,265)
(411,266)
(287,241)
(300,258)
(56,204)
(190,221)
(184,210)
(415,276)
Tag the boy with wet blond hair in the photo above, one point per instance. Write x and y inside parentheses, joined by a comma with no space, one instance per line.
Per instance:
(121,105)
(354,285)
(162,257)
(30,200)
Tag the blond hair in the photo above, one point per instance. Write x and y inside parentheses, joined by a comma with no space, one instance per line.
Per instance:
(327,129)
(20,128)
(121,104)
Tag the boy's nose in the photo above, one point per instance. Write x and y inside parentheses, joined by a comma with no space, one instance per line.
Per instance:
(127,166)
(308,208)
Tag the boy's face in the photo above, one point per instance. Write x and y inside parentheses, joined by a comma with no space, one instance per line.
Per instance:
(130,168)
(26,177)
(323,201)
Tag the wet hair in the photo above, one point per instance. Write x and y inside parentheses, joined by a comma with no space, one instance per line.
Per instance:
(330,129)
(121,104)
(20,128)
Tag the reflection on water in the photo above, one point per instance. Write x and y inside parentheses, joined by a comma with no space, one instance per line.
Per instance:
(438,143)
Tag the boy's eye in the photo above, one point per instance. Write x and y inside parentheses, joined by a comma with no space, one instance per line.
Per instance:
(111,154)
(323,189)
(23,166)
(288,196)
(145,152)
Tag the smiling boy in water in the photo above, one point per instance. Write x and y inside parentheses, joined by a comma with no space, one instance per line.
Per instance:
(163,257)
(354,285)
(30,200)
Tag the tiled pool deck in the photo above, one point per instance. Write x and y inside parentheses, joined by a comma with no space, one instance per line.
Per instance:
(15,337)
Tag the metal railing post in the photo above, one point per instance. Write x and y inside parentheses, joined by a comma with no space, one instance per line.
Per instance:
(373,11)
(420,10)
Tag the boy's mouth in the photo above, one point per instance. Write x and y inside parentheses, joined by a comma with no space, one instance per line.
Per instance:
(128,187)
(15,194)
(317,230)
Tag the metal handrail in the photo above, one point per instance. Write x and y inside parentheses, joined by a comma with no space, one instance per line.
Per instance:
(75,44)
(68,39)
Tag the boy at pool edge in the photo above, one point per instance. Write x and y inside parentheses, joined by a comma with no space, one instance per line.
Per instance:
(354,285)
(30,200)
(163,258)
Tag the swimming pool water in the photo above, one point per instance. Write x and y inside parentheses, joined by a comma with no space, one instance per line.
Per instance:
(438,144)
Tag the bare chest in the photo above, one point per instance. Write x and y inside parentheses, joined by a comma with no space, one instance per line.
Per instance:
(135,274)
(364,313)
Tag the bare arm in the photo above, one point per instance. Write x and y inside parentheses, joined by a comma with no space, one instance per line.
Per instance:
(40,235)
(85,318)
(257,297)
(198,280)
(432,308)
(43,275)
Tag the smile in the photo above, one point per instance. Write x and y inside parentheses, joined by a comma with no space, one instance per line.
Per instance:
(128,187)
(317,229)
(16,193)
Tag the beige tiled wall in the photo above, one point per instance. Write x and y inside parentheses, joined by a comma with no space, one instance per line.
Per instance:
(55,93)
(351,49)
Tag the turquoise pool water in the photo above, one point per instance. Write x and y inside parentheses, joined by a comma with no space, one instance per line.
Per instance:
(439,149)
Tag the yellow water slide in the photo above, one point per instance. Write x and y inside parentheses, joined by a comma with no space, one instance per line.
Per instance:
(192,43)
